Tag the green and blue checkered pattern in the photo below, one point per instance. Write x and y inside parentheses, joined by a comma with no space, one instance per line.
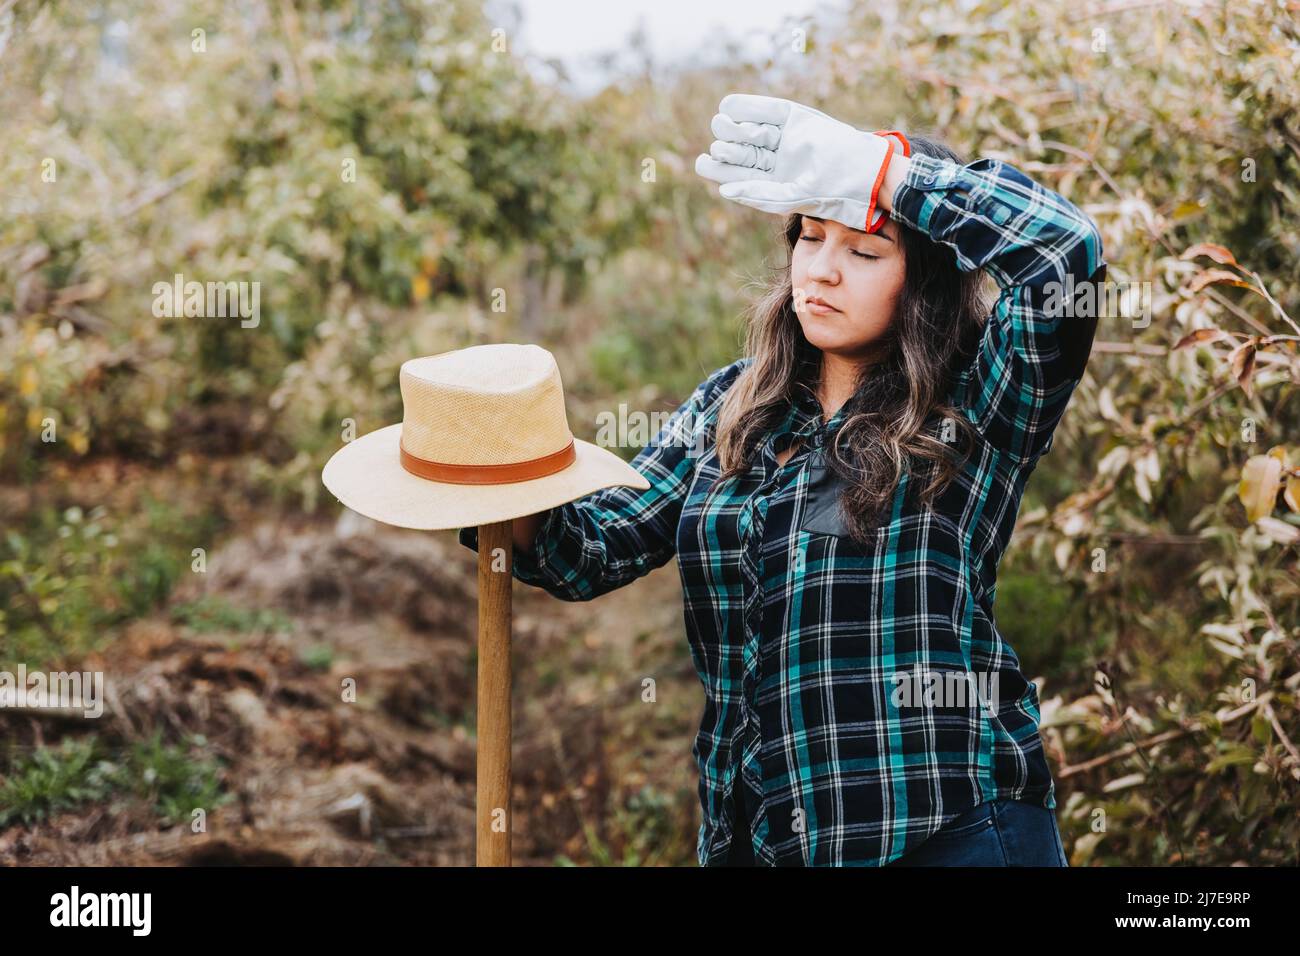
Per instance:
(798,633)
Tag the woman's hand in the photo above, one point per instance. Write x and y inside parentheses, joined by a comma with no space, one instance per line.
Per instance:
(782,157)
(524,530)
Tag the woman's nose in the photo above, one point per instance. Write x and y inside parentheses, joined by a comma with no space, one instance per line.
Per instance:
(822,266)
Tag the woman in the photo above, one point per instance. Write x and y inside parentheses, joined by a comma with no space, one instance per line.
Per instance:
(838,501)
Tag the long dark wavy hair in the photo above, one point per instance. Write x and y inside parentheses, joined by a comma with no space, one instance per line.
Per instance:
(890,422)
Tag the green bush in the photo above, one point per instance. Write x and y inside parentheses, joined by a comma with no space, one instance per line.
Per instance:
(172,779)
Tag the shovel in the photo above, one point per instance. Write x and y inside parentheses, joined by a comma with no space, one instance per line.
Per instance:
(483,431)
(492,839)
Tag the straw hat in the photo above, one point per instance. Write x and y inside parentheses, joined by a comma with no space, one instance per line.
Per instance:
(483,438)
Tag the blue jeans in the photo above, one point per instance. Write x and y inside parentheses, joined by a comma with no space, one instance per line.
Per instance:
(996,833)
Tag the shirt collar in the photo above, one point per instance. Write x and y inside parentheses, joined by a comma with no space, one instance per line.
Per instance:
(806,416)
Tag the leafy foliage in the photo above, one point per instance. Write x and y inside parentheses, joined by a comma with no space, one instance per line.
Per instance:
(79,771)
(400,183)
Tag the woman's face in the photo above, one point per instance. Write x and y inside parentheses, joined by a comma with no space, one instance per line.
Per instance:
(858,276)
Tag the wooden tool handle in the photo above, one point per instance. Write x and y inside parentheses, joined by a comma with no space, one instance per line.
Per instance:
(495,557)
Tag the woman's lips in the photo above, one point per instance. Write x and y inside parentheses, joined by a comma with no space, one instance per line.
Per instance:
(819,308)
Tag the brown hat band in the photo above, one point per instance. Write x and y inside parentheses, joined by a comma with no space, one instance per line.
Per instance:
(489,474)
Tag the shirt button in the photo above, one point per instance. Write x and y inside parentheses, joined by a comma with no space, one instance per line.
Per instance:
(929,180)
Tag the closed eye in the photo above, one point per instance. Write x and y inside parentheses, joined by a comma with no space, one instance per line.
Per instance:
(860,255)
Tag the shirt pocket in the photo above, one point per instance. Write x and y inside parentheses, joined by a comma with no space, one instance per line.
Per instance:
(822,513)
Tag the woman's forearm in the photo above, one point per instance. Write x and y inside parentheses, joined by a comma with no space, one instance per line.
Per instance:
(894,175)
(601,541)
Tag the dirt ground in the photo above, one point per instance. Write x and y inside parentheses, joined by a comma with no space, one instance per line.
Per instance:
(389,778)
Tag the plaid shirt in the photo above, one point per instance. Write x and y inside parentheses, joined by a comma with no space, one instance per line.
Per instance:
(806,641)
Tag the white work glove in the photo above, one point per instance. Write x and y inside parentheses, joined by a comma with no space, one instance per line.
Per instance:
(781,157)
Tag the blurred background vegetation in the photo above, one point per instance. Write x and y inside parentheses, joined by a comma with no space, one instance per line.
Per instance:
(400,181)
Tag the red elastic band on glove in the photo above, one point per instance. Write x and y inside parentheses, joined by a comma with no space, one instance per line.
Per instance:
(875,190)
(880,176)
(907,147)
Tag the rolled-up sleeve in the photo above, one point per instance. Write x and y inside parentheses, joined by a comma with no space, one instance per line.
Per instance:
(595,544)
(1041,250)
